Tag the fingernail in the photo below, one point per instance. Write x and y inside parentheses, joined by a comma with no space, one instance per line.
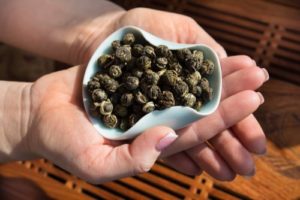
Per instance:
(267,76)
(261,97)
(254,62)
(263,152)
(250,175)
(252,172)
(166,141)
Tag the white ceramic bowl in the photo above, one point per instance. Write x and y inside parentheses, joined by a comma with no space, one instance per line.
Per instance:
(175,117)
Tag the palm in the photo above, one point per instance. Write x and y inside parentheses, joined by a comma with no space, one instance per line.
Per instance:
(67,136)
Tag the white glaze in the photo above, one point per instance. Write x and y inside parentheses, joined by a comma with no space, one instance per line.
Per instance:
(175,117)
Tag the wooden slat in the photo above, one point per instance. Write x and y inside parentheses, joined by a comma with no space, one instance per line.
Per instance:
(283,74)
(290,45)
(236,48)
(286,64)
(147,188)
(124,191)
(113,186)
(292,56)
(226,27)
(173,174)
(271,34)
(98,191)
(163,183)
(290,3)
(231,37)
(257,10)
(222,195)
(226,17)
(291,38)
(53,188)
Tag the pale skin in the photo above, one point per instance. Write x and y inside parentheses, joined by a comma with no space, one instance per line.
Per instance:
(46,118)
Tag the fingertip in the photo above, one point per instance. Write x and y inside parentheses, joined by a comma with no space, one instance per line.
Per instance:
(159,137)
(253,98)
(225,175)
(266,73)
(257,76)
(247,167)
(166,141)
(261,97)
(259,146)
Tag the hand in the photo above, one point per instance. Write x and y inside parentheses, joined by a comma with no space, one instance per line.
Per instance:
(60,131)
(232,136)
(222,142)
(75,146)
(72,37)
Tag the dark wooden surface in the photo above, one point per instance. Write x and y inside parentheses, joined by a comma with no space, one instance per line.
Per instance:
(268,31)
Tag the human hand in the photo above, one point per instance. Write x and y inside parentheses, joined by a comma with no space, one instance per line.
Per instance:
(60,131)
(73,37)
(233,141)
(190,153)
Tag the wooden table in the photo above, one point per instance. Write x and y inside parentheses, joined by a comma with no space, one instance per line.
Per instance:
(268,31)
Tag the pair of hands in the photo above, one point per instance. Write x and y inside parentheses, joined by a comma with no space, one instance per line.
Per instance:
(59,130)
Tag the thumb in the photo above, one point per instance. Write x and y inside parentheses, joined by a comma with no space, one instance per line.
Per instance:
(140,155)
(146,148)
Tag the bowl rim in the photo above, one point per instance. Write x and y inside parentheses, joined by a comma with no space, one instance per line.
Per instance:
(171,45)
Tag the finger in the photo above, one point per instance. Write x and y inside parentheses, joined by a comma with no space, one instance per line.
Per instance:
(183,163)
(137,157)
(231,110)
(251,135)
(234,153)
(234,63)
(248,130)
(211,162)
(244,79)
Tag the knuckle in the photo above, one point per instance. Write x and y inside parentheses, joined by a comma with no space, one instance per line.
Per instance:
(199,137)
(221,51)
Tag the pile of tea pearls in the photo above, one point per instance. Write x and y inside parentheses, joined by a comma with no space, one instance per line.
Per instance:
(136,79)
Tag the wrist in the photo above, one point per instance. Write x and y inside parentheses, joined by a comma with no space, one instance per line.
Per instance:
(14,121)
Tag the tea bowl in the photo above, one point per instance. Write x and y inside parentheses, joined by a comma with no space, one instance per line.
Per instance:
(175,117)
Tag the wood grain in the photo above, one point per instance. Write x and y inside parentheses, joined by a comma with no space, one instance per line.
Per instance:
(53,189)
(268,31)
